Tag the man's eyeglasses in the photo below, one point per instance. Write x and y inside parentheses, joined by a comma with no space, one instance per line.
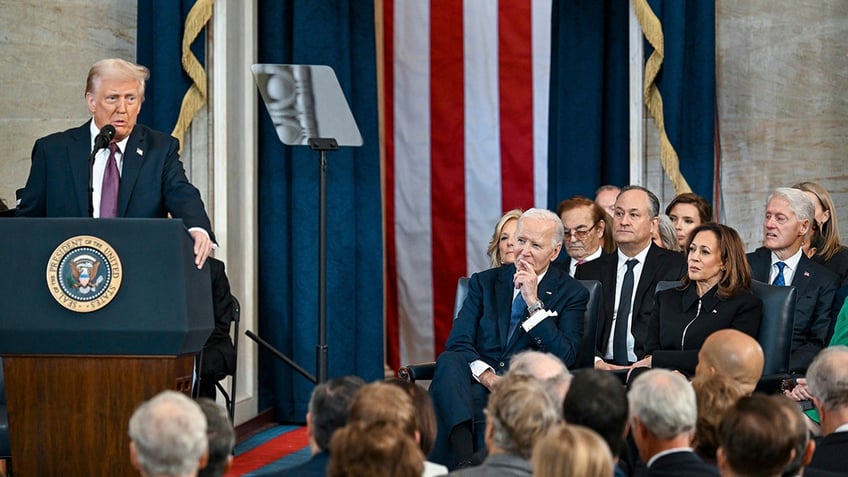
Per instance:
(579,234)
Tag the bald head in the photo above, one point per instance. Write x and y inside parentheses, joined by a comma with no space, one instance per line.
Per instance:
(733,354)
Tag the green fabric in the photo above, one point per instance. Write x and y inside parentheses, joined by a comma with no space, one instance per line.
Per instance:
(840,330)
(813,414)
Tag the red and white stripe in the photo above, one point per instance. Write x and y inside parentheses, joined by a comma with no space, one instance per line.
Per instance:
(466,117)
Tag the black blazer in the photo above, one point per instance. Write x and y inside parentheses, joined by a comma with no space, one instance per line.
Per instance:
(153,181)
(683,463)
(660,265)
(480,330)
(816,286)
(565,263)
(679,311)
(837,264)
(830,453)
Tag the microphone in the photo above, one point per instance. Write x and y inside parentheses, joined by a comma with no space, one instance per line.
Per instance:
(105,137)
(100,141)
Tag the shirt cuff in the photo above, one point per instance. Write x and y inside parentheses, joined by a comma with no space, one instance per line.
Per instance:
(479,367)
(536,318)
(192,229)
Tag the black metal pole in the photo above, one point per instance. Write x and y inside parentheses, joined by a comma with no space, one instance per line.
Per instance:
(321,349)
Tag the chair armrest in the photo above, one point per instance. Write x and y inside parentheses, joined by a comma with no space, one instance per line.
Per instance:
(413,372)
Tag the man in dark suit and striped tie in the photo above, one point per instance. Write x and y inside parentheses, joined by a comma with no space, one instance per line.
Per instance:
(788,217)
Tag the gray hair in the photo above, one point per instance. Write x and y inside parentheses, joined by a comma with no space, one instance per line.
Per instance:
(547,368)
(169,434)
(665,403)
(798,200)
(548,216)
(668,234)
(827,377)
(653,202)
(116,68)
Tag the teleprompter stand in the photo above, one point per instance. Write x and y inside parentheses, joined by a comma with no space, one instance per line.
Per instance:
(308,108)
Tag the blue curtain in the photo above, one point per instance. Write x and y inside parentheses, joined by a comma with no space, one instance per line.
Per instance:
(687,84)
(588,125)
(160,36)
(588,132)
(338,33)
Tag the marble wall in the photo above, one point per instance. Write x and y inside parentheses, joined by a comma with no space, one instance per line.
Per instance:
(46,49)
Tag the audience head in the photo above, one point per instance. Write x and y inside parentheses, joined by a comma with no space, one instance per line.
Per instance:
(519,412)
(538,239)
(752,438)
(221,436)
(3,206)
(374,449)
(425,415)
(572,450)
(115,78)
(734,354)
(789,213)
(597,399)
(824,216)
(547,368)
(665,236)
(663,411)
(827,379)
(796,426)
(168,436)
(718,256)
(687,211)
(635,219)
(500,249)
(715,394)
(587,227)
(605,197)
(381,401)
(329,407)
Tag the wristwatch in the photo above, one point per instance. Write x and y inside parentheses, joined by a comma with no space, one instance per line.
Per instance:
(535,307)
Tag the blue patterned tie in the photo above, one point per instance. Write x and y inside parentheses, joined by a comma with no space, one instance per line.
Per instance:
(779,280)
(519,311)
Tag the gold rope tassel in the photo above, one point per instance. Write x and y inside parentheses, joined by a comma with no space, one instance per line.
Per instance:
(652,29)
(195,97)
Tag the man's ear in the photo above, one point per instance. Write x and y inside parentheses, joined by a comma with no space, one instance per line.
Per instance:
(134,457)
(808,452)
(309,432)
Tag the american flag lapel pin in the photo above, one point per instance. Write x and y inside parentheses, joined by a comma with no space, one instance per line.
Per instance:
(139,151)
(807,274)
(548,292)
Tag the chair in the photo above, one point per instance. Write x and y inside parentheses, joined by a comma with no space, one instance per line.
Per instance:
(586,355)
(425,371)
(230,396)
(775,335)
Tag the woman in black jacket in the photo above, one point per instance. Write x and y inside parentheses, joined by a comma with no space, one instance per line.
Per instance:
(715,295)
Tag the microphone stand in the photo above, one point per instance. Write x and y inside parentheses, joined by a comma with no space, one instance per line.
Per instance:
(91,180)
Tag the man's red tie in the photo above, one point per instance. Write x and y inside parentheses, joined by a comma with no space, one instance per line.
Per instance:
(111,181)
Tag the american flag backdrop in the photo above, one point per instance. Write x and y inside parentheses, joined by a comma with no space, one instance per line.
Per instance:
(465,109)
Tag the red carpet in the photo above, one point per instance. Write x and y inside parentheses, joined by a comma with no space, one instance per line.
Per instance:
(273,449)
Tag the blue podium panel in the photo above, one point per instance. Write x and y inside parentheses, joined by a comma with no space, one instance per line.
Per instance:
(101,287)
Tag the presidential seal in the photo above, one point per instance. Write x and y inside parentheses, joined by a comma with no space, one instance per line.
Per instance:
(84,273)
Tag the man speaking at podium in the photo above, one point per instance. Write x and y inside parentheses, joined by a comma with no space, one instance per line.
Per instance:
(136,171)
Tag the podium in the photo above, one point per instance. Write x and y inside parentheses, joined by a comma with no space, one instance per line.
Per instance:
(97,316)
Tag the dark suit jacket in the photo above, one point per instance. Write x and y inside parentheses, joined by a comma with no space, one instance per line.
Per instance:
(480,330)
(660,265)
(316,466)
(153,181)
(837,264)
(830,453)
(219,355)
(564,260)
(816,287)
(681,464)
(676,311)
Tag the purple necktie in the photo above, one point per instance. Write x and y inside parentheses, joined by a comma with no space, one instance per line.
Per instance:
(109,191)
